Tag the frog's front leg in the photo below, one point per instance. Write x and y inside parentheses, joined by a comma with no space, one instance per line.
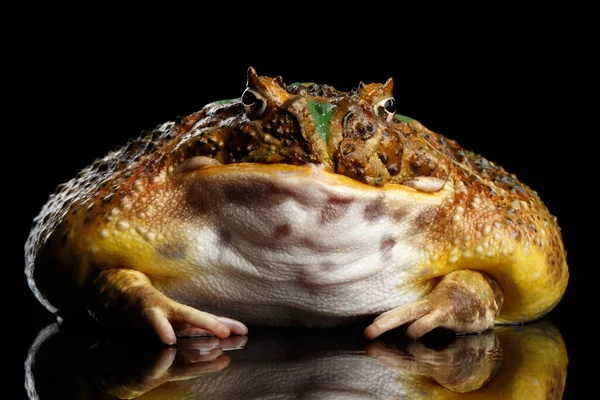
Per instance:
(127,299)
(463,301)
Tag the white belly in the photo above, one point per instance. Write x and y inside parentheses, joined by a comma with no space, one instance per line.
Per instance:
(302,250)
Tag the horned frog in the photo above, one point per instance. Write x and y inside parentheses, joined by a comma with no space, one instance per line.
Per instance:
(296,205)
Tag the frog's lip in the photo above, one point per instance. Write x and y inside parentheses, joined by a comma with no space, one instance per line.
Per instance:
(310,170)
(203,168)
(206,166)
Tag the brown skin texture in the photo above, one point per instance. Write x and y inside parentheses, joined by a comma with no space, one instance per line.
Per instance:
(490,229)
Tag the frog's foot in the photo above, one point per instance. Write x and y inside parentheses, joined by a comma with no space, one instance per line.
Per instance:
(464,301)
(127,299)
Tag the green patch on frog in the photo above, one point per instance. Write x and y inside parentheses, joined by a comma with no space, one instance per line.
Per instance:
(321,115)
(404,118)
(305,84)
(225,101)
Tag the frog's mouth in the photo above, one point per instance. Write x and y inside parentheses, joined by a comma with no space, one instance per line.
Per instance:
(201,166)
(207,165)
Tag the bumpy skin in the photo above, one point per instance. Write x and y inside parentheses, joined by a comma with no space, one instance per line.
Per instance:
(461,242)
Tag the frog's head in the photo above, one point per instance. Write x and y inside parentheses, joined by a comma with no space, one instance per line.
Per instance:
(356,133)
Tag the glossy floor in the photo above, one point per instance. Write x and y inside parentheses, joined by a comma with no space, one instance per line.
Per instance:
(523,362)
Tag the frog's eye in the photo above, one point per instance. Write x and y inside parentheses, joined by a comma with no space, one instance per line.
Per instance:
(254,103)
(386,109)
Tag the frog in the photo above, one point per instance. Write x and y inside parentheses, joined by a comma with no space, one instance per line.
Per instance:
(296,205)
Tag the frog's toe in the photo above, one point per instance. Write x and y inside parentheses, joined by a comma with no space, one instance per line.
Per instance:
(175,317)
(396,317)
(424,325)
(235,327)
(159,322)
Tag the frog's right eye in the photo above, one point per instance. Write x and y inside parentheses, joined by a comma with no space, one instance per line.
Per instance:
(386,109)
(254,103)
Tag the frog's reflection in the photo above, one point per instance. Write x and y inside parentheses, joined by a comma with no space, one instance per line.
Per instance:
(509,362)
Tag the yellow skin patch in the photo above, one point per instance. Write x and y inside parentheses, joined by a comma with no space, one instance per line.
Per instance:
(225,200)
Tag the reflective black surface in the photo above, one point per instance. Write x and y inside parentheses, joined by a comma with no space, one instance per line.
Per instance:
(81,92)
(509,362)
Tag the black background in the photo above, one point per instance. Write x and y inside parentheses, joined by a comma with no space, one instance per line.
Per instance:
(509,91)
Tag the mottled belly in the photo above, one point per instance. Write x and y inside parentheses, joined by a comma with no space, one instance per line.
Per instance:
(300,249)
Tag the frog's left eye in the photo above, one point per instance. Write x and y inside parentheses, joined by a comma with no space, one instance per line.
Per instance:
(254,103)
(386,108)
